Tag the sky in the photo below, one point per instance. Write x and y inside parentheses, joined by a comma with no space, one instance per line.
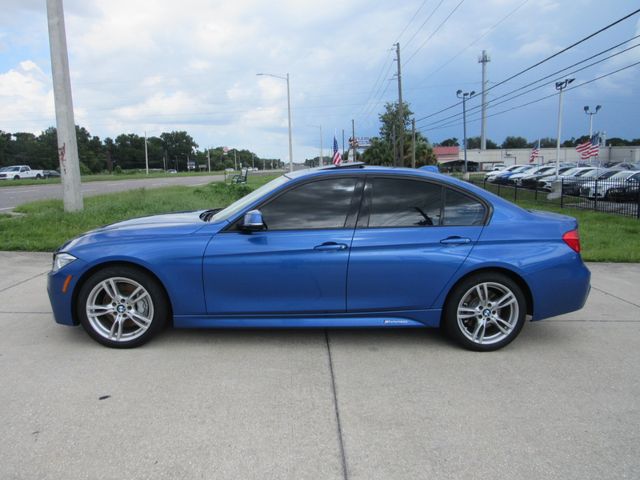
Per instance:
(154,66)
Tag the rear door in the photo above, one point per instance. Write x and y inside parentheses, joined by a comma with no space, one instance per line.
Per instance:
(411,237)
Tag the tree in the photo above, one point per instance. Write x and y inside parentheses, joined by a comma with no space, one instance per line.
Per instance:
(474,142)
(515,142)
(179,146)
(450,142)
(547,142)
(389,121)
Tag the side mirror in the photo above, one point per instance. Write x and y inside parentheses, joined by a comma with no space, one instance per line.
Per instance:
(252,221)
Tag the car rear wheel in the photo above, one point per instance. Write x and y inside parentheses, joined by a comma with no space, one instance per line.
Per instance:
(122,307)
(485,312)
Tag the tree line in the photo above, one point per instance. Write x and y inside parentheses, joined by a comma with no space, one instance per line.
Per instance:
(169,150)
(547,142)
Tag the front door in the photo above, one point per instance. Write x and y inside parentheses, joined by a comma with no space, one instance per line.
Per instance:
(298,264)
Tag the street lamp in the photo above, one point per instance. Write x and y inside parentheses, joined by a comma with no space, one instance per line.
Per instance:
(591,114)
(288,111)
(464,96)
(321,150)
(560,86)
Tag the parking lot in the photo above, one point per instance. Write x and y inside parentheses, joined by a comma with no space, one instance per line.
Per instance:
(561,402)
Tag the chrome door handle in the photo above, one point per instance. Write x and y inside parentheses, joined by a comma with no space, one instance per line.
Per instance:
(330,246)
(455,240)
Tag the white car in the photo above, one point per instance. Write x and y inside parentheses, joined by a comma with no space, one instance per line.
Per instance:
(16,172)
(517,177)
(546,183)
(493,174)
(600,189)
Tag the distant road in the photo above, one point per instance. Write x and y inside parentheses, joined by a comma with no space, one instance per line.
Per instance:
(11,197)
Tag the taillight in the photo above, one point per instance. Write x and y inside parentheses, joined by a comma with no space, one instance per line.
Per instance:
(572,239)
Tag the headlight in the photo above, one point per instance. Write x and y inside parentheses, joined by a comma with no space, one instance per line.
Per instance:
(60,260)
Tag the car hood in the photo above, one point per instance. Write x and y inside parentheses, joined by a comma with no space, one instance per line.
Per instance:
(172,224)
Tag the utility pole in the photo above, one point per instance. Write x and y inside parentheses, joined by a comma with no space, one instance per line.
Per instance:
(321,150)
(484,59)
(393,141)
(65,123)
(560,86)
(400,107)
(413,143)
(353,139)
(209,160)
(235,159)
(343,141)
(146,153)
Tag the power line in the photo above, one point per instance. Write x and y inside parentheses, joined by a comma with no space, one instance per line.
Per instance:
(493,27)
(434,32)
(423,23)
(516,107)
(410,21)
(584,39)
(547,77)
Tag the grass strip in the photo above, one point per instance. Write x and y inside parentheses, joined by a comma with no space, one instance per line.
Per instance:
(44,225)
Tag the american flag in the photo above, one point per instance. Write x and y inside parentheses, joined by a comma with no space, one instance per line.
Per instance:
(337,156)
(535,153)
(589,148)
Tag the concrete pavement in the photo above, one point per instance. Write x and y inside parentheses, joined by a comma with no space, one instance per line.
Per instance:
(561,402)
(11,197)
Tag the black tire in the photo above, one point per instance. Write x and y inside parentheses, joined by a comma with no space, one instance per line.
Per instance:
(102,327)
(38,177)
(16,177)
(475,314)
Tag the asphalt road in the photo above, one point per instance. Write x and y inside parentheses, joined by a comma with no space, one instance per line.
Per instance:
(561,402)
(11,197)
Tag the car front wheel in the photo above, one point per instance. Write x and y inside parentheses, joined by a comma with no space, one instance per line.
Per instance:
(122,307)
(485,312)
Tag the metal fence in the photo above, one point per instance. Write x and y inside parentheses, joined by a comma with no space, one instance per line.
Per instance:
(609,196)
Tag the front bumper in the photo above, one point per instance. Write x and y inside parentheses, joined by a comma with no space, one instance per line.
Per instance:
(61,298)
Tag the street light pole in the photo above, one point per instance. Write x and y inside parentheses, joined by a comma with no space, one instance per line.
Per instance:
(286,78)
(146,153)
(591,114)
(321,151)
(464,96)
(560,86)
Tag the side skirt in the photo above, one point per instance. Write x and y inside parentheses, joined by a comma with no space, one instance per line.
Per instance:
(404,319)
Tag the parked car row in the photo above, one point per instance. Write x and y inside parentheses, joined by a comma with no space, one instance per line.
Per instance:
(616,183)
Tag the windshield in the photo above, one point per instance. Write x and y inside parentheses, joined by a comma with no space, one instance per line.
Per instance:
(605,175)
(9,169)
(238,205)
(583,173)
(621,175)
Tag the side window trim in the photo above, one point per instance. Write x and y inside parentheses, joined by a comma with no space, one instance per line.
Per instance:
(357,194)
(365,209)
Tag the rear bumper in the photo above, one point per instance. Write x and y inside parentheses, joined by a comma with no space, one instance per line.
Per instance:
(560,289)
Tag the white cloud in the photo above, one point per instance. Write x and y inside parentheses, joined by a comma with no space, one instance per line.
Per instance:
(192,64)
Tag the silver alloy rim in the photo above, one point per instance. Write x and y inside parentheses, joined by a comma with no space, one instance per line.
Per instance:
(119,309)
(488,313)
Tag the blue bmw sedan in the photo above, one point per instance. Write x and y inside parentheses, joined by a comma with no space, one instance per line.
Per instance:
(349,246)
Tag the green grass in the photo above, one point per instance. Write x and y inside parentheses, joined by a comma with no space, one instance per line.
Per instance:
(106,176)
(44,226)
(604,237)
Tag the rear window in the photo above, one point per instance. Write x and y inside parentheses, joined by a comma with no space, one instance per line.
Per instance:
(462,210)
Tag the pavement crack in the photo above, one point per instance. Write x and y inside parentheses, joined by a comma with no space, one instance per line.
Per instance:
(343,456)
(23,281)
(615,296)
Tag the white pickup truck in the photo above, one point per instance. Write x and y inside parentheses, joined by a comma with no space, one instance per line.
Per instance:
(16,172)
